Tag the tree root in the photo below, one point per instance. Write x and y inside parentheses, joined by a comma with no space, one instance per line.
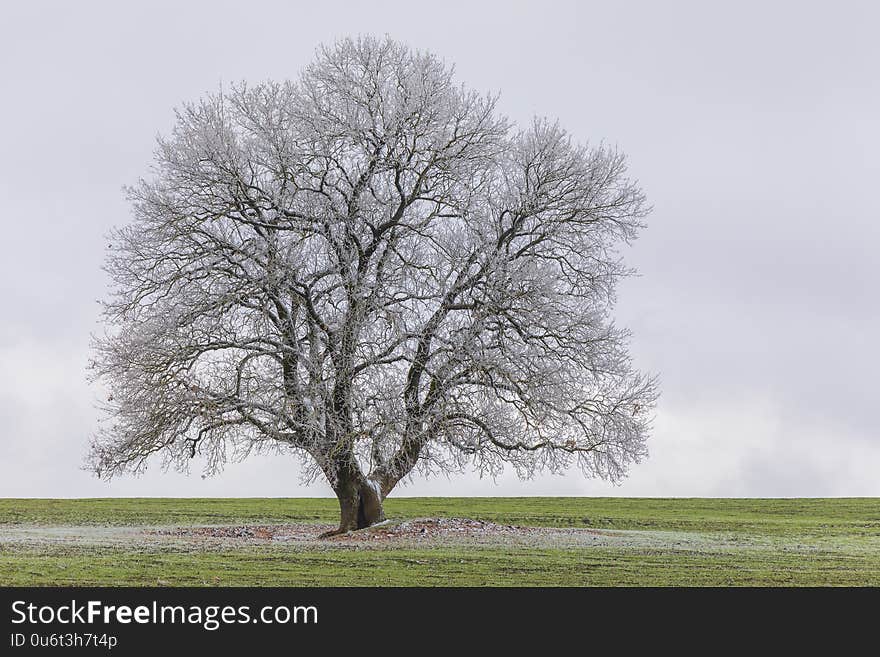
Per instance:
(334,532)
(339,531)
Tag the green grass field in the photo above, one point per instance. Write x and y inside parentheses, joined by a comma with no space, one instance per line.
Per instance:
(648,541)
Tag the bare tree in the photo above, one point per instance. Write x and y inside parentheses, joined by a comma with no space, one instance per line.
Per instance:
(371,268)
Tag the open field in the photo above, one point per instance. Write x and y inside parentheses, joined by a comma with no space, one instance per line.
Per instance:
(515,541)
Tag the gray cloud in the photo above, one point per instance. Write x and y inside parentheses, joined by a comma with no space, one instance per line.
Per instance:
(752,128)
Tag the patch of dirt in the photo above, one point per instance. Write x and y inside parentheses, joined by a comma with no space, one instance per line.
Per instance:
(388,530)
(417,533)
(265,532)
(430,528)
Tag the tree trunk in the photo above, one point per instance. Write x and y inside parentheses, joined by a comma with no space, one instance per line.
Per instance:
(360,505)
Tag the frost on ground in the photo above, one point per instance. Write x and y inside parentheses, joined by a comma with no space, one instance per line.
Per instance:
(394,532)
(420,532)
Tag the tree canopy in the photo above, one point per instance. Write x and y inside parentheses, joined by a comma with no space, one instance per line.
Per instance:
(372,268)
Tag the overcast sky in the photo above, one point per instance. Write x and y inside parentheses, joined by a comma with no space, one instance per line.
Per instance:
(754,128)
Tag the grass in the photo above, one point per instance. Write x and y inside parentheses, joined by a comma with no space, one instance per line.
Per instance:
(755,542)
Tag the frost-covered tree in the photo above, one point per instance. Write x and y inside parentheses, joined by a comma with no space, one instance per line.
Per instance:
(372,269)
